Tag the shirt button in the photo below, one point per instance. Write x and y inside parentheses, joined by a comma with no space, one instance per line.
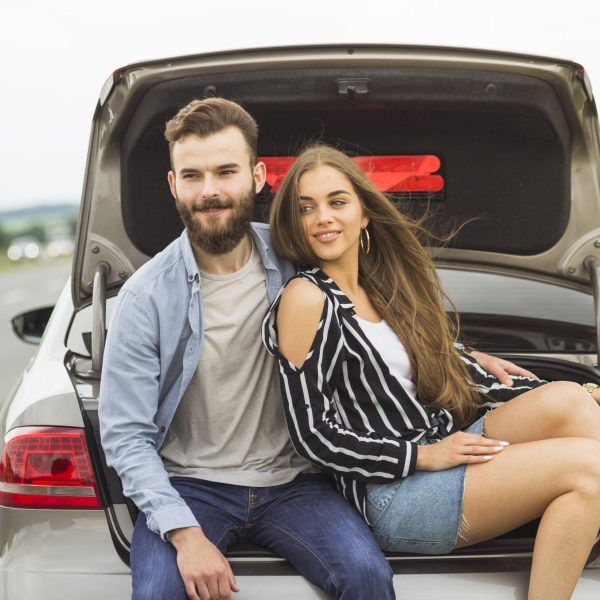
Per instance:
(163,429)
(190,278)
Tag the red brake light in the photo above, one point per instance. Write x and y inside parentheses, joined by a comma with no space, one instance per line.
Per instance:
(47,467)
(415,173)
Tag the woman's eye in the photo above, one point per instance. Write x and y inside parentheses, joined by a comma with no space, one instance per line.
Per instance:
(338,202)
(305,208)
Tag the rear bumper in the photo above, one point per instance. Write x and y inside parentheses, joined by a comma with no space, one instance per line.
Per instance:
(69,555)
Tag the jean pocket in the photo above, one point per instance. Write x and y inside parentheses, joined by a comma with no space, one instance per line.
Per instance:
(379,495)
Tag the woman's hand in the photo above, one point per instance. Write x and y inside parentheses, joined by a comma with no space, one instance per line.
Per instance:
(457,449)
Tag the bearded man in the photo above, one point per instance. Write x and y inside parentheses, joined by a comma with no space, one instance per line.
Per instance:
(190,408)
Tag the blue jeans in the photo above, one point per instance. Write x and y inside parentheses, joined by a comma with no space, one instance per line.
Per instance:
(305,521)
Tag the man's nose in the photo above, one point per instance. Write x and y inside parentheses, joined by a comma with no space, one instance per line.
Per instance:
(209,187)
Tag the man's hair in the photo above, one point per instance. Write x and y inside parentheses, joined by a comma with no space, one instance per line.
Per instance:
(209,116)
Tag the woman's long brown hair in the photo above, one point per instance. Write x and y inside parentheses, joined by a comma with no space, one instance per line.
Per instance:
(397,273)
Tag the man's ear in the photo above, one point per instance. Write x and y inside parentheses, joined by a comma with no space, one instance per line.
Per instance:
(171,178)
(260,176)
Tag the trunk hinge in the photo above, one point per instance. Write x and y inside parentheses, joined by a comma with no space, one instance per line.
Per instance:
(592,264)
(99,316)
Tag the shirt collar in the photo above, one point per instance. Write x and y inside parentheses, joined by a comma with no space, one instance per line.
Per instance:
(189,259)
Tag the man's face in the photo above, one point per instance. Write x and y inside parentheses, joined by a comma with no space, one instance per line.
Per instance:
(214,187)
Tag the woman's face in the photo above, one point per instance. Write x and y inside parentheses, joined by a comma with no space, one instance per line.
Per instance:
(331,213)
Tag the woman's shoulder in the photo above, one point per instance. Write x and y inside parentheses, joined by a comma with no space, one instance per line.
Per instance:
(302,298)
(311,280)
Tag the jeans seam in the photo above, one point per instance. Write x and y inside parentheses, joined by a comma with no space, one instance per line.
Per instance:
(230,528)
(309,549)
(249,507)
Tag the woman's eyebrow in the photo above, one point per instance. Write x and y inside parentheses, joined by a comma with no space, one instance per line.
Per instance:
(331,194)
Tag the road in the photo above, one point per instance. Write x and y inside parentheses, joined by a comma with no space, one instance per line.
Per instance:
(20,290)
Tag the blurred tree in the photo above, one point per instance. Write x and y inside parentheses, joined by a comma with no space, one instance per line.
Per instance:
(37,231)
(4,238)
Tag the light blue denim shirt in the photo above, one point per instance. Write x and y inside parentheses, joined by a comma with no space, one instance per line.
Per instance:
(152,350)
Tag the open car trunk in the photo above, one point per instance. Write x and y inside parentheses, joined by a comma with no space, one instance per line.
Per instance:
(508,136)
(507,552)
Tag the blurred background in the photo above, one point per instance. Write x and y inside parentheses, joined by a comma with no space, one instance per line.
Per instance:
(36,248)
(57,55)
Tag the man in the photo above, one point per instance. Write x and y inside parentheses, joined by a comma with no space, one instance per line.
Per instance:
(191,416)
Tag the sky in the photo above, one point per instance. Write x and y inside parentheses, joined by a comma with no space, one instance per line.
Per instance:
(57,55)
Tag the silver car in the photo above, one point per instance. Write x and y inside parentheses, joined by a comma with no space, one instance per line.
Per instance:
(507,145)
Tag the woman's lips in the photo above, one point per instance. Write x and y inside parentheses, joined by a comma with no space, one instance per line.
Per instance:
(327,236)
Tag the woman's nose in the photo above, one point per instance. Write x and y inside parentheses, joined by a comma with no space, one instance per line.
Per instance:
(324,215)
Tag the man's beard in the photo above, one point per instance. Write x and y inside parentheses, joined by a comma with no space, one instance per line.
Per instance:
(218,238)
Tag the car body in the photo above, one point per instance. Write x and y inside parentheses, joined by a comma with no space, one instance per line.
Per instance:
(505,145)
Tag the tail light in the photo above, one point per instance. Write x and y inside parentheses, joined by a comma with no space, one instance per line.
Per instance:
(47,467)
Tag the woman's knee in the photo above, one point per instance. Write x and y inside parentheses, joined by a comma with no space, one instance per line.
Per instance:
(566,402)
(586,469)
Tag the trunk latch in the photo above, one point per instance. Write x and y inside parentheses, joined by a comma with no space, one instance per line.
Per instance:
(353,89)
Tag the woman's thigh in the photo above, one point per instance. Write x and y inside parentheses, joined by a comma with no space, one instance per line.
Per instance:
(519,483)
(558,409)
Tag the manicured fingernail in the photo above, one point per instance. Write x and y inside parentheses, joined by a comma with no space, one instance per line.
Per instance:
(498,448)
(504,443)
(487,457)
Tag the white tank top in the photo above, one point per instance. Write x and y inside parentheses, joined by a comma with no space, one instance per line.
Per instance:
(391,350)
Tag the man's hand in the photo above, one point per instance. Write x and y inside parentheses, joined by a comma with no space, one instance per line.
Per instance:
(501,369)
(206,573)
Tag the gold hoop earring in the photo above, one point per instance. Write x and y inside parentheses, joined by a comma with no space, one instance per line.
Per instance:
(366,249)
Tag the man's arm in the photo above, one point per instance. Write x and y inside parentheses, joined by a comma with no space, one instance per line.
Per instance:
(500,368)
(129,398)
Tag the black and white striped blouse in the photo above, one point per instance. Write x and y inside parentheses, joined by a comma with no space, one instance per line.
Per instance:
(347,413)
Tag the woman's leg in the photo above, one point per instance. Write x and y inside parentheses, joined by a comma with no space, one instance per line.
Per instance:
(558,409)
(558,479)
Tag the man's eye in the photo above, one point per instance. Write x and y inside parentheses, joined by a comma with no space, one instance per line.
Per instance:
(189,176)
(228,172)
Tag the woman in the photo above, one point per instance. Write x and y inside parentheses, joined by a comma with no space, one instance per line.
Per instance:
(377,392)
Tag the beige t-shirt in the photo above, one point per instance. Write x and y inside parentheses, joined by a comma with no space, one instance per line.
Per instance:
(229,426)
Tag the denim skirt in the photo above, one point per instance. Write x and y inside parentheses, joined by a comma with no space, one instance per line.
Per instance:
(420,513)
